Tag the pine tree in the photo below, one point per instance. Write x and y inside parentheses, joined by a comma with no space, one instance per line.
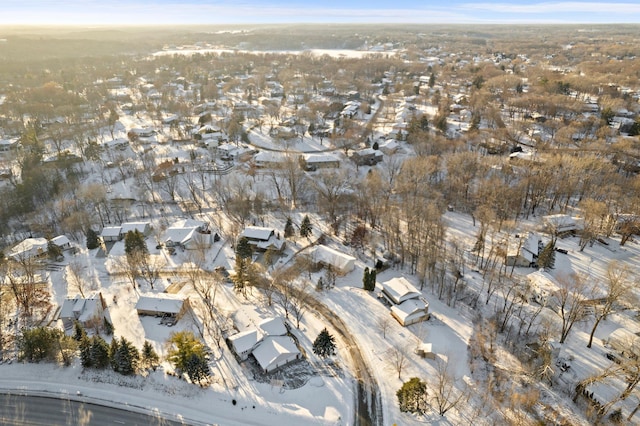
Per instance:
(92,239)
(78,331)
(288,229)
(412,396)
(127,357)
(365,278)
(197,368)
(547,257)
(324,345)
(99,352)
(372,280)
(113,350)
(134,243)
(149,356)
(305,227)
(243,249)
(85,351)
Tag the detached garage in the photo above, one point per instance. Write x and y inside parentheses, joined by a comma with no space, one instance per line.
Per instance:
(166,305)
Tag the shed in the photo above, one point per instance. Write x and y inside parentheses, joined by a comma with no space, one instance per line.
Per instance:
(425,350)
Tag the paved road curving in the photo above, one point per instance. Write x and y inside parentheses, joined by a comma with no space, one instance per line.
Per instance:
(368,410)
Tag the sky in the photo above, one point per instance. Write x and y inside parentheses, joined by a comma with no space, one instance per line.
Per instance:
(149,12)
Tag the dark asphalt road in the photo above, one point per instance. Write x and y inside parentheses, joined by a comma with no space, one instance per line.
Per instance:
(20,410)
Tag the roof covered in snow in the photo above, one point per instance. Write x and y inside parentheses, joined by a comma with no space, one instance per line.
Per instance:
(400,289)
(275,351)
(165,303)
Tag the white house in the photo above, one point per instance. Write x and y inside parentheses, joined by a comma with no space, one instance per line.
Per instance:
(188,234)
(399,289)
(111,233)
(85,311)
(326,256)
(407,304)
(245,342)
(262,238)
(29,248)
(411,311)
(163,305)
(62,242)
(270,159)
(624,341)
(273,327)
(523,250)
(559,223)
(143,227)
(321,161)
(275,352)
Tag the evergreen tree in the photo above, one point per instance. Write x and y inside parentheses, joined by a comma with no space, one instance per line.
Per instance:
(375,146)
(412,396)
(92,239)
(197,368)
(365,278)
(305,227)
(372,280)
(243,249)
(547,257)
(113,350)
(134,243)
(85,351)
(288,229)
(184,347)
(150,357)
(127,358)
(324,345)
(53,251)
(99,352)
(78,331)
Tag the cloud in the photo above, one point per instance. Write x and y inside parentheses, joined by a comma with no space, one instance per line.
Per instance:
(556,7)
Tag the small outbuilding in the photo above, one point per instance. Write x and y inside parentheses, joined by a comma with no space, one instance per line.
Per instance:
(165,305)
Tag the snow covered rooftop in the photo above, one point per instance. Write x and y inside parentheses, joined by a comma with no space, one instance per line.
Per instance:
(245,340)
(275,351)
(257,233)
(399,289)
(165,303)
(410,310)
(30,247)
(327,255)
(273,327)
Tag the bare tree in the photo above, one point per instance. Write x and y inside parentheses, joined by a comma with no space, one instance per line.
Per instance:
(570,298)
(384,322)
(444,391)
(398,358)
(619,288)
(77,279)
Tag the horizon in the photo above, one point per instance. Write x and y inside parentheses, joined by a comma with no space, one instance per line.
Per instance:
(57,13)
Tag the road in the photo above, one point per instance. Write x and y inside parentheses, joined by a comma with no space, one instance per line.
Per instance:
(368,410)
(21,410)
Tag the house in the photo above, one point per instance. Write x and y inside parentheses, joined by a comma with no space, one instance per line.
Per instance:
(542,287)
(367,157)
(407,304)
(245,342)
(411,311)
(262,238)
(561,223)
(269,159)
(325,256)
(624,342)
(62,242)
(29,248)
(165,305)
(273,327)
(389,146)
(398,289)
(88,312)
(189,234)
(275,352)
(111,234)
(320,161)
(523,250)
(143,227)
(9,145)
